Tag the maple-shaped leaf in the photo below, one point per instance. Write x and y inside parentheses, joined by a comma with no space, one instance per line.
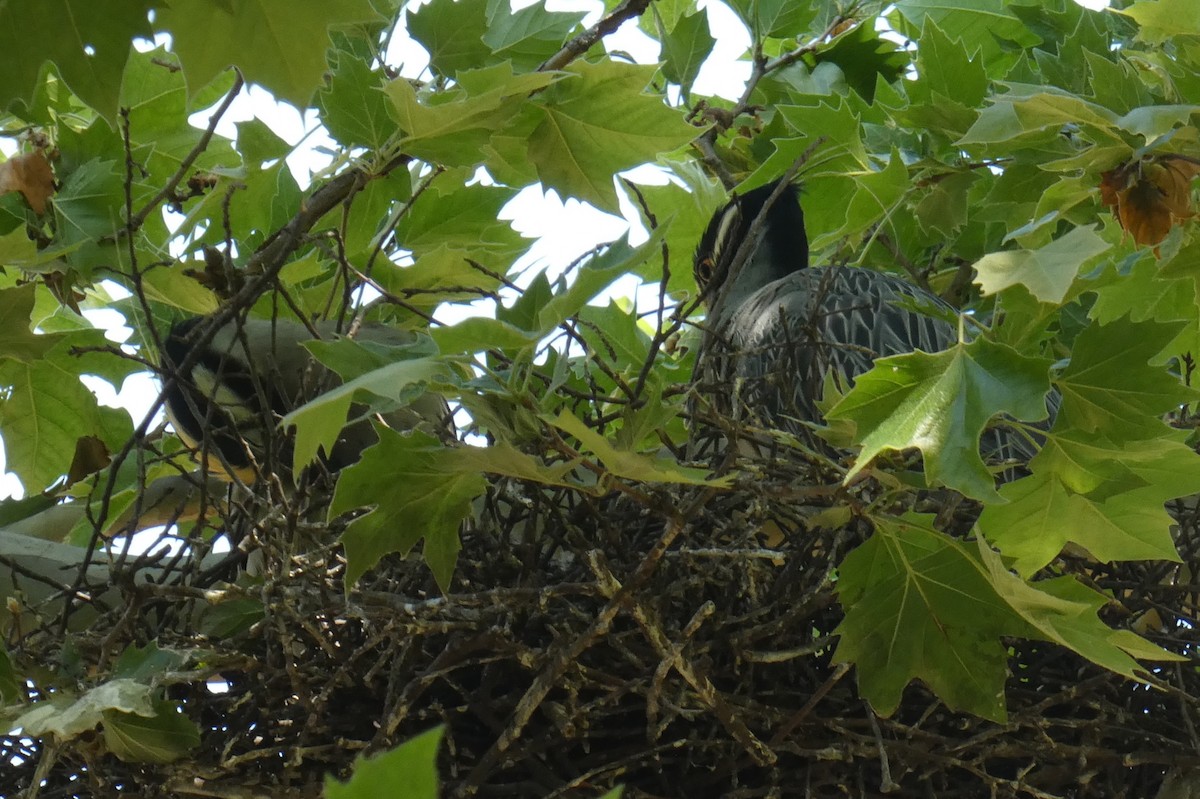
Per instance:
(940,403)
(30,174)
(1106,497)
(919,605)
(87,40)
(1064,611)
(17,341)
(1150,196)
(416,488)
(278,44)
(922,605)
(455,129)
(1110,386)
(598,121)
(1042,515)
(1047,272)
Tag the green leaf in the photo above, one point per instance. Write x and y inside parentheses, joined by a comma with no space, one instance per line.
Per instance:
(278,44)
(144,664)
(1109,386)
(1047,272)
(409,770)
(88,207)
(88,41)
(618,259)
(66,718)
(864,57)
(163,737)
(1103,496)
(46,410)
(632,465)
(17,341)
(978,24)
(455,129)
(529,36)
(775,18)
(943,210)
(258,143)
(1042,515)
(415,489)
(453,33)
(353,105)
(444,274)
(920,606)
(1159,20)
(319,421)
(477,334)
(598,122)
(876,194)
(1023,111)
(502,458)
(945,68)
(1063,611)
(231,618)
(155,92)
(465,218)
(940,403)
(685,48)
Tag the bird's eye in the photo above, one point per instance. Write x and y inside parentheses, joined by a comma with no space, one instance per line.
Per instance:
(704,268)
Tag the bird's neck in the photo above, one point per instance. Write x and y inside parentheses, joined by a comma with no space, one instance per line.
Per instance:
(763,267)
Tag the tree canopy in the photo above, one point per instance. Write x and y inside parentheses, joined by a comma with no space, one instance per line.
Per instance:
(562,578)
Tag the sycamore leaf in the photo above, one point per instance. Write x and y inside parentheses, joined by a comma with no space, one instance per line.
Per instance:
(628,464)
(409,770)
(278,44)
(319,421)
(65,718)
(163,737)
(452,31)
(464,218)
(598,122)
(529,36)
(503,458)
(920,606)
(777,18)
(1042,515)
(1064,612)
(88,41)
(1150,196)
(1159,20)
(685,48)
(1022,112)
(30,174)
(353,106)
(415,489)
(455,129)
(1047,272)
(940,403)
(1108,385)
(17,341)
(46,410)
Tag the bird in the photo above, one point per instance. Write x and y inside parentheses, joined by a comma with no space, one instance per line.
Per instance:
(225,391)
(777,328)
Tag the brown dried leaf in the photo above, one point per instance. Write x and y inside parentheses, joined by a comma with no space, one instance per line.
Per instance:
(1150,196)
(30,174)
(91,455)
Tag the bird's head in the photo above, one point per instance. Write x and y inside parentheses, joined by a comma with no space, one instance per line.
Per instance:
(783,241)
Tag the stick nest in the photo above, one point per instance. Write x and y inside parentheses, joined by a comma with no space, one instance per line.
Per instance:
(681,644)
